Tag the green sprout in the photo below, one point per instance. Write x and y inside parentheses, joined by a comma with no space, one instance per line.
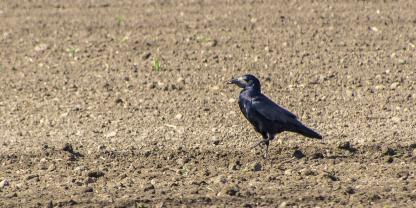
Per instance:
(156,64)
(72,51)
(119,20)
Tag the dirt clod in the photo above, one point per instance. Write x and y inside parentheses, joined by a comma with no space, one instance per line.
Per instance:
(298,154)
(4,183)
(231,190)
(96,174)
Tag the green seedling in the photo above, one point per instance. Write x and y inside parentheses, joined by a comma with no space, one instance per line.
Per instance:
(119,20)
(72,51)
(156,64)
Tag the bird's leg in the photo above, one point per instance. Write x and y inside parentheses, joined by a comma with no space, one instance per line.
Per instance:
(258,143)
(266,148)
(261,142)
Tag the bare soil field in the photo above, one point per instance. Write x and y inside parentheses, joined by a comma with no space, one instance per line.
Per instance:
(125,103)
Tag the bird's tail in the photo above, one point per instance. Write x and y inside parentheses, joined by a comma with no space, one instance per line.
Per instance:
(298,127)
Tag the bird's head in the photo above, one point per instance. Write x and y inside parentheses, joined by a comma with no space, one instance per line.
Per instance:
(246,82)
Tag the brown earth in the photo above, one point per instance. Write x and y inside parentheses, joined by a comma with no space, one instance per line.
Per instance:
(87,119)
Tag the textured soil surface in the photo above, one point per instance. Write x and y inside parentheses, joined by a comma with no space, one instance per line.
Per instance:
(124,103)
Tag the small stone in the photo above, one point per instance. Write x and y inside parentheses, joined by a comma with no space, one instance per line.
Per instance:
(414,153)
(68,148)
(11,195)
(350,190)
(389,151)
(147,153)
(347,146)
(88,190)
(51,167)
(4,183)
(148,187)
(180,80)
(111,134)
(396,119)
(379,87)
(256,167)
(235,165)
(308,172)
(231,100)
(298,154)
(151,86)
(119,101)
(394,85)
(215,140)
(350,93)
(288,172)
(146,55)
(401,61)
(50,204)
(41,47)
(96,174)
(80,169)
(267,49)
(89,180)
(232,190)
(331,176)
(212,43)
(318,155)
(389,160)
(215,88)
(29,177)
(178,116)
(283,205)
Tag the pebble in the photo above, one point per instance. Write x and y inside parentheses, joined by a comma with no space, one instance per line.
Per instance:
(396,119)
(80,169)
(236,165)
(288,172)
(148,187)
(33,176)
(41,47)
(4,183)
(231,190)
(221,179)
(379,87)
(308,172)
(151,85)
(178,116)
(88,189)
(146,55)
(350,93)
(389,151)
(68,148)
(394,85)
(318,155)
(256,167)
(350,190)
(111,134)
(298,154)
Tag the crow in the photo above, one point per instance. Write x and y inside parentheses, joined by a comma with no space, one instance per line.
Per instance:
(267,117)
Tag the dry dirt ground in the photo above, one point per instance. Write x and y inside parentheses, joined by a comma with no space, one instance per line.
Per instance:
(124,103)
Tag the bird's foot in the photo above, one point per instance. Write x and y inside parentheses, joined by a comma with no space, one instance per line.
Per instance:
(266,155)
(259,143)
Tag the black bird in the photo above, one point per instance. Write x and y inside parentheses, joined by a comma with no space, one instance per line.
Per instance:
(267,117)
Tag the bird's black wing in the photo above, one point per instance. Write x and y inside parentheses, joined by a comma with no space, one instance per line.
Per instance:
(271,110)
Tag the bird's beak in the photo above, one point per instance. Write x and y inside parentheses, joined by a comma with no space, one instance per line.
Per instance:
(233,81)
